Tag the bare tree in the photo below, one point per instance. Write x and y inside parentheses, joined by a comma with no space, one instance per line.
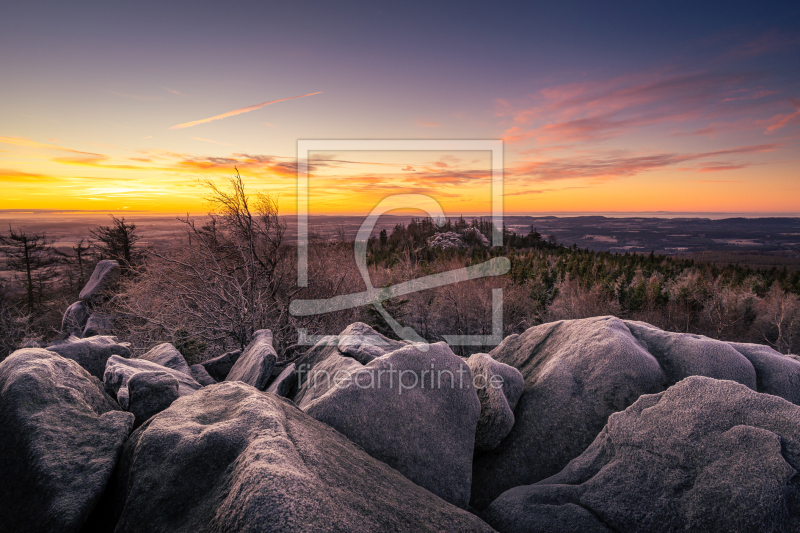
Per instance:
(779,320)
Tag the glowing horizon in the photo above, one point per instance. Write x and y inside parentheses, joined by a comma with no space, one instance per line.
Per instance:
(634,121)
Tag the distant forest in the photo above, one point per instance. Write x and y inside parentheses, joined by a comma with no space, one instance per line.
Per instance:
(233,273)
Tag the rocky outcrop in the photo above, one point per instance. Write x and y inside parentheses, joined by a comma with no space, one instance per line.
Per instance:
(285,383)
(92,353)
(499,387)
(776,373)
(363,343)
(416,410)
(231,458)
(706,455)
(316,368)
(74,320)
(201,376)
(60,436)
(149,393)
(167,355)
(105,275)
(254,367)
(682,355)
(119,371)
(219,367)
(577,373)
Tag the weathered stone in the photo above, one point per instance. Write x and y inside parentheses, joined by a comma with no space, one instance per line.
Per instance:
(705,455)
(285,383)
(60,438)
(167,355)
(231,458)
(119,371)
(364,344)
(414,408)
(75,318)
(254,367)
(98,324)
(683,354)
(577,373)
(201,376)
(92,353)
(499,387)
(776,373)
(103,278)
(219,367)
(149,393)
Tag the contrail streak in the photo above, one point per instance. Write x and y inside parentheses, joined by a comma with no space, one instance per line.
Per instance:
(237,112)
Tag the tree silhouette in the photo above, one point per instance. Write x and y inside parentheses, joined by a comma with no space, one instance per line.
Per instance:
(117,241)
(31,256)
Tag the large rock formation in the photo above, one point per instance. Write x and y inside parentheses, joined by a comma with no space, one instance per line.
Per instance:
(105,275)
(119,371)
(499,387)
(92,353)
(60,436)
(254,367)
(577,373)
(149,393)
(414,410)
(776,373)
(219,367)
(682,355)
(706,455)
(231,458)
(167,355)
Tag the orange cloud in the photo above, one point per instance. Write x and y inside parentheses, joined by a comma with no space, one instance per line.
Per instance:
(236,112)
(16,175)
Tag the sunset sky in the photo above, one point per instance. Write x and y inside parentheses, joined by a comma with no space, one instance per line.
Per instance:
(619,106)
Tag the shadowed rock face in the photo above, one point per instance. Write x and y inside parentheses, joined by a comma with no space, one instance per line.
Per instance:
(682,355)
(231,458)
(424,428)
(705,455)
(776,373)
(499,387)
(149,393)
(219,367)
(167,355)
(577,373)
(284,383)
(103,278)
(254,366)
(119,371)
(60,436)
(92,353)
(201,376)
